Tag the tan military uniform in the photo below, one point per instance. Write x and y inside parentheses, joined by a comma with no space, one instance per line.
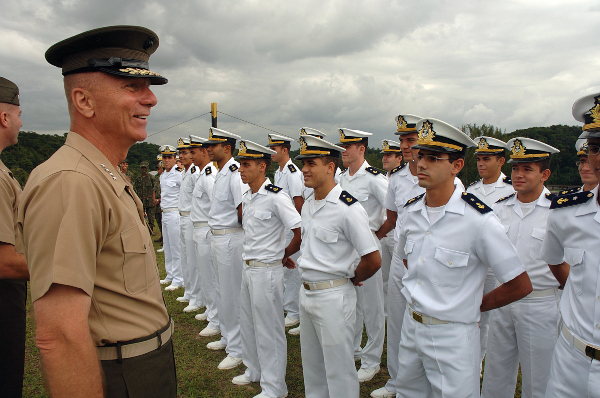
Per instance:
(82,226)
(9,198)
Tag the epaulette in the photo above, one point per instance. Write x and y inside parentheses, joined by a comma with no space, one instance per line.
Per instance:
(413,200)
(474,182)
(507,180)
(569,191)
(193,169)
(347,198)
(373,170)
(208,171)
(272,188)
(179,168)
(551,196)
(475,203)
(233,167)
(506,197)
(292,168)
(573,199)
(395,169)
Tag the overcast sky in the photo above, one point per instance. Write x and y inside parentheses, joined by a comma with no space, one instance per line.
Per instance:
(325,64)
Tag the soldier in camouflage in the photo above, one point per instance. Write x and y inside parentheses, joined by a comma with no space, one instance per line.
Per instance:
(158,214)
(144,187)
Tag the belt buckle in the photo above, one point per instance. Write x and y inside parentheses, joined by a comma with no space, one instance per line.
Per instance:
(592,352)
(417,317)
(306,285)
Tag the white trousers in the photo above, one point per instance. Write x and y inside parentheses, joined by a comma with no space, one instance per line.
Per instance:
(208,279)
(396,309)
(327,320)
(227,256)
(522,332)
(369,311)
(484,320)
(438,360)
(572,373)
(189,263)
(291,283)
(171,244)
(264,345)
(387,252)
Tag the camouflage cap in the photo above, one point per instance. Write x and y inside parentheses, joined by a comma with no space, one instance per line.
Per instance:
(9,92)
(144,164)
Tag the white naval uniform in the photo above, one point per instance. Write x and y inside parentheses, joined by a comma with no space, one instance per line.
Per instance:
(201,203)
(170,182)
(524,331)
(331,228)
(447,263)
(227,248)
(268,214)
(489,194)
(189,265)
(291,181)
(573,234)
(370,187)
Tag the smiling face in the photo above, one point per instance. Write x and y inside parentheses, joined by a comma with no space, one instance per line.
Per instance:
(353,153)
(594,158)
(489,166)
(585,171)
(185,158)
(317,171)
(528,177)
(391,160)
(407,141)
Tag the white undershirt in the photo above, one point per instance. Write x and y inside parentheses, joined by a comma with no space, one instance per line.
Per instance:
(434,212)
(526,208)
(488,187)
(415,179)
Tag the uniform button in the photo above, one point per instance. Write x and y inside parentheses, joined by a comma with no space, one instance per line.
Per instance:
(419,282)
(421,259)
(428,233)
(449,262)
(597,326)
(519,237)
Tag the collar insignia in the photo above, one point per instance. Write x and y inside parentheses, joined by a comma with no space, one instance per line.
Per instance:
(347,198)
(573,199)
(272,188)
(233,167)
(292,168)
(506,197)
(475,203)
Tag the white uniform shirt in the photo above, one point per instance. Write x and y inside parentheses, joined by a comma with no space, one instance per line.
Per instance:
(307,192)
(498,190)
(449,259)
(203,193)
(402,187)
(227,196)
(267,216)
(370,190)
(332,233)
(170,182)
(573,236)
(527,234)
(289,179)
(188,181)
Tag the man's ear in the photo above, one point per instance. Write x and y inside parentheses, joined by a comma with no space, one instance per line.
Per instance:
(545,175)
(4,119)
(457,166)
(83,102)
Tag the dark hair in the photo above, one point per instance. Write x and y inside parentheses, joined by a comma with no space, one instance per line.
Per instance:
(331,159)
(267,163)
(364,142)
(287,145)
(454,156)
(544,164)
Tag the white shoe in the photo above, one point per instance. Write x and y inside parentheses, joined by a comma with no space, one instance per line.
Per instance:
(164,282)
(182,300)
(229,363)
(382,393)
(201,317)
(208,332)
(291,322)
(240,380)
(172,287)
(216,345)
(367,374)
(294,331)
(162,249)
(191,308)
(261,395)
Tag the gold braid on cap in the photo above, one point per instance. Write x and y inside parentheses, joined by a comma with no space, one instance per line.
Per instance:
(426,135)
(210,136)
(402,125)
(305,151)
(271,142)
(595,113)
(344,139)
(583,150)
(484,147)
(243,152)
(518,152)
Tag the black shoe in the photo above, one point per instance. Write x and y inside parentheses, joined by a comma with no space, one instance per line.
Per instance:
(159,240)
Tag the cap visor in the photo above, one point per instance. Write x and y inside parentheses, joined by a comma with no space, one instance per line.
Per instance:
(155,78)
(433,148)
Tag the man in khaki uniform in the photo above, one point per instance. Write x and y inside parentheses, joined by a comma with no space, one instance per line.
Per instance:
(102,326)
(13,270)
(144,188)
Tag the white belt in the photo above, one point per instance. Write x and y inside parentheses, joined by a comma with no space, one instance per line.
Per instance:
(253,263)
(325,285)
(199,224)
(170,209)
(424,319)
(184,213)
(542,293)
(588,349)
(225,231)
(136,349)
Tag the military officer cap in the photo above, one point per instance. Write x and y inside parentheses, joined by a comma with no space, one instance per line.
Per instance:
(348,136)
(117,50)
(9,92)
(315,147)
(252,150)
(587,110)
(167,150)
(159,157)
(218,136)
(581,146)
(279,139)
(196,141)
(437,136)
(489,145)
(125,161)
(407,124)
(389,146)
(313,132)
(183,143)
(144,164)
(526,150)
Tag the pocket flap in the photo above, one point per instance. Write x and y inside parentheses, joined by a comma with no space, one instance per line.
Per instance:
(408,246)
(574,256)
(262,215)
(326,235)
(539,233)
(198,193)
(451,258)
(133,241)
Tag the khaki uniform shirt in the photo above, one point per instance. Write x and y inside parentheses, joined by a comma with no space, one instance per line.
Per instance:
(9,197)
(82,226)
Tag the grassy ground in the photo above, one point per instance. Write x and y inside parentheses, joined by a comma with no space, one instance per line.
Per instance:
(197,371)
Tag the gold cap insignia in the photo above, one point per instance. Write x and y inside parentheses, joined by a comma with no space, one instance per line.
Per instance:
(342,135)
(302,131)
(595,111)
(180,142)
(401,122)
(242,147)
(386,146)
(483,144)
(518,149)
(303,145)
(426,133)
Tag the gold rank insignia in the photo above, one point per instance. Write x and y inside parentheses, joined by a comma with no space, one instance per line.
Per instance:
(303,145)
(483,144)
(180,142)
(475,203)
(243,148)
(426,133)
(401,122)
(347,198)
(272,188)
(573,199)
(302,131)
(139,72)
(595,111)
(386,146)
(518,149)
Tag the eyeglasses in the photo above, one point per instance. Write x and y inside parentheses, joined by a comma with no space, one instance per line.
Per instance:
(593,149)
(582,161)
(431,158)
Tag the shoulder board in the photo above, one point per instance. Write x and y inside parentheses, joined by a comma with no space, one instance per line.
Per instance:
(569,191)
(550,196)
(208,171)
(292,168)
(395,169)
(233,167)
(506,197)
(193,169)
(507,180)
(413,200)
(179,168)
(475,203)
(573,199)
(474,182)
(373,170)
(347,198)
(272,188)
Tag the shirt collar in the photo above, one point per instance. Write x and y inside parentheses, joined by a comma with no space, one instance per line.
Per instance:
(225,170)
(454,205)
(591,206)
(334,195)
(262,189)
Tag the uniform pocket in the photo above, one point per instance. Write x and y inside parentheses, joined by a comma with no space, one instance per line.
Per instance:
(220,195)
(574,257)
(449,267)
(137,269)
(262,215)
(538,235)
(325,249)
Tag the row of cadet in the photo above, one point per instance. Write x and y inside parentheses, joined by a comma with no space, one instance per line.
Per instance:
(231,240)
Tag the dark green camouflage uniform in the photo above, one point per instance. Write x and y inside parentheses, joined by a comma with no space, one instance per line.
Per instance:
(144,186)
(158,210)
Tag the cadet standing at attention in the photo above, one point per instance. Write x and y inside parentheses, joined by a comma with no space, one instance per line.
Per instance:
(144,188)
(449,239)
(334,226)
(524,332)
(13,269)
(268,213)
(588,178)
(102,326)
(157,191)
